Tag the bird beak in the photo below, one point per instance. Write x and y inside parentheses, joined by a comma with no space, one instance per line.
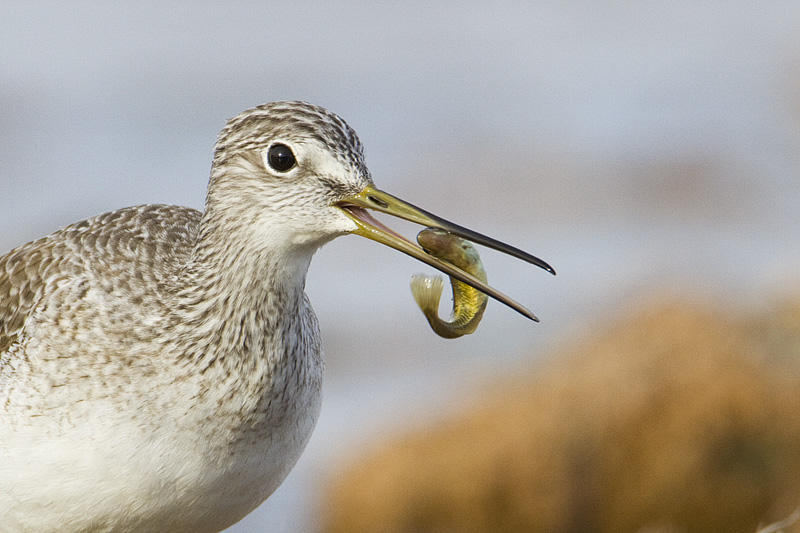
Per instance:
(356,207)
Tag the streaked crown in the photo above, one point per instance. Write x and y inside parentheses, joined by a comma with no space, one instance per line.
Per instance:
(255,128)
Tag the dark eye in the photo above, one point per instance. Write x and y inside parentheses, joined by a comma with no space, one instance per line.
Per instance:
(280,157)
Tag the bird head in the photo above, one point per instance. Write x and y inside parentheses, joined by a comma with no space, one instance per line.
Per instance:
(292,174)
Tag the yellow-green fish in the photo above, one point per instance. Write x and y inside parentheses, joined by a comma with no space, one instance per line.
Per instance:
(468,303)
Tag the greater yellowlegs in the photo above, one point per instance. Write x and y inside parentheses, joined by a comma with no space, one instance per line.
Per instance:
(160,368)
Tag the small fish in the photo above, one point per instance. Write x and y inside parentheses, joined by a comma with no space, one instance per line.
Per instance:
(468,303)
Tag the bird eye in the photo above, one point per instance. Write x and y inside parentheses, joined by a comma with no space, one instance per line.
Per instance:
(280,157)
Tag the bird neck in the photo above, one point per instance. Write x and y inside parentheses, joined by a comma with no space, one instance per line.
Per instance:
(240,297)
(246,332)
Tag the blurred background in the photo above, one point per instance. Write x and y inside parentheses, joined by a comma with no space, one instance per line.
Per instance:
(650,152)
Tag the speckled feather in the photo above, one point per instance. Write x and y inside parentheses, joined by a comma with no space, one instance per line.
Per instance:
(160,368)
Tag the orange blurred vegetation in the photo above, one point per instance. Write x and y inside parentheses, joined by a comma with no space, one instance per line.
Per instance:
(676,418)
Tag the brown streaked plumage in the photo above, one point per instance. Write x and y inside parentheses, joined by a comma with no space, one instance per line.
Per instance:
(160,368)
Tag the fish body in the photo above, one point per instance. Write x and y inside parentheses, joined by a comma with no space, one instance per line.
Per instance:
(468,302)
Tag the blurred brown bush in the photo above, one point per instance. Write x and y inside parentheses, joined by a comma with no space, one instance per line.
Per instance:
(676,418)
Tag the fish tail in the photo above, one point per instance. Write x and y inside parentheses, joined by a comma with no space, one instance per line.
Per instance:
(427,291)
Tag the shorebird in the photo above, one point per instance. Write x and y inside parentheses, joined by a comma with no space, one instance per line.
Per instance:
(160,367)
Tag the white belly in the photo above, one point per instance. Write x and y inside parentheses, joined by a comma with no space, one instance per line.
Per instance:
(112,472)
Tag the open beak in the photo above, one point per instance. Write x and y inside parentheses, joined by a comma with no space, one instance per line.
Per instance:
(371,198)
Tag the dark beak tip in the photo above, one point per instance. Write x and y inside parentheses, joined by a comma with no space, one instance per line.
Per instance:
(544,265)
